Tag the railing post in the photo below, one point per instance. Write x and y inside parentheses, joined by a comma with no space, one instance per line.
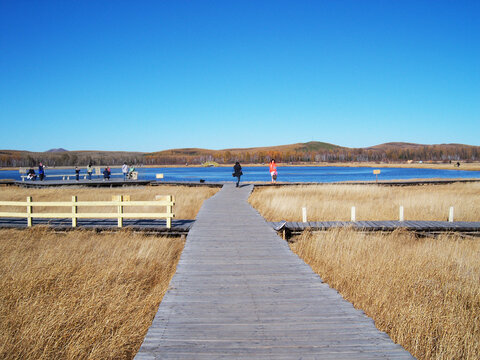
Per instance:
(401,214)
(74,211)
(304,214)
(450,214)
(120,211)
(29,211)
(169,211)
(353,214)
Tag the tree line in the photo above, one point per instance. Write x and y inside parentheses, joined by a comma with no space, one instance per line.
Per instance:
(438,153)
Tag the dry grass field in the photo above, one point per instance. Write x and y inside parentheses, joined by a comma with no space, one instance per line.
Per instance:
(80,295)
(188,200)
(333,202)
(425,293)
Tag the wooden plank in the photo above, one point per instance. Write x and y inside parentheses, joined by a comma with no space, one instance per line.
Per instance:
(89,215)
(74,211)
(112,203)
(29,211)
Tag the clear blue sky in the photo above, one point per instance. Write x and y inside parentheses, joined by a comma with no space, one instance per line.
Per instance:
(155,75)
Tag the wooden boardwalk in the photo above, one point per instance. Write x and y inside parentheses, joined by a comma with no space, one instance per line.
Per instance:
(416,225)
(240,293)
(149,225)
(98,182)
(95,182)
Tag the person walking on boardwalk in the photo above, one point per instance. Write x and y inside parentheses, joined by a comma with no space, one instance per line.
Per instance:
(89,171)
(237,172)
(273,170)
(41,171)
(125,171)
(77,173)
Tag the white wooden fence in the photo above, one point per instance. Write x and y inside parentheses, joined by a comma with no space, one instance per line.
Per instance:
(118,202)
(401,216)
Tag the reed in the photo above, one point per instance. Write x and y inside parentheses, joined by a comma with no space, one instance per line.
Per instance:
(188,200)
(425,293)
(80,295)
(333,202)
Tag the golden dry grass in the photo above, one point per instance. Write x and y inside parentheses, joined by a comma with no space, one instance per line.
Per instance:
(80,295)
(333,202)
(425,293)
(188,200)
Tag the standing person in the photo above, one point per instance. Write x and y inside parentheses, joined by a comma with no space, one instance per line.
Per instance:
(41,171)
(237,172)
(89,171)
(125,171)
(273,170)
(77,173)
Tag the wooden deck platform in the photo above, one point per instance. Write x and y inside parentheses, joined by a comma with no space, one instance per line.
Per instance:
(152,225)
(240,293)
(424,226)
(95,182)
(98,182)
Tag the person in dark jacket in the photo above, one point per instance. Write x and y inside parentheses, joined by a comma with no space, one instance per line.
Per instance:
(41,171)
(77,173)
(237,172)
(106,174)
(31,175)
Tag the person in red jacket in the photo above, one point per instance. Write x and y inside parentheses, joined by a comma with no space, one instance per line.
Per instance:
(273,170)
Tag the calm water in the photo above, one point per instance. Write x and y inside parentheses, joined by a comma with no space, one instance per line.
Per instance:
(285,173)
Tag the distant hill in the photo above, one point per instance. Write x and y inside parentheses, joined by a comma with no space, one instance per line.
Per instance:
(56,150)
(292,152)
(309,152)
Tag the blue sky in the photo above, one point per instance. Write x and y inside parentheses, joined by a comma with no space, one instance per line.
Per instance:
(154,75)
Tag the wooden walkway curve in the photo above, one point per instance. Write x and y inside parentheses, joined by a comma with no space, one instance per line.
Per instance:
(240,293)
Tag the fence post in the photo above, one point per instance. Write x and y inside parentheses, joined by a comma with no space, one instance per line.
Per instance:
(169,211)
(353,214)
(304,214)
(29,211)
(120,211)
(74,211)
(401,213)
(450,214)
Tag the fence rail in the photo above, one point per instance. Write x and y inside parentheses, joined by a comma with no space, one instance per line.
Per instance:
(119,202)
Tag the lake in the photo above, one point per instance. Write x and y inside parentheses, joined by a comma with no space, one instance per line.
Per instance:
(285,173)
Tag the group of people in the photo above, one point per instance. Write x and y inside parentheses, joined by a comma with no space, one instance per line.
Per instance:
(126,170)
(237,171)
(41,173)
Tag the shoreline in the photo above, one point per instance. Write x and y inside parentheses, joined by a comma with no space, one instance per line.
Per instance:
(474,166)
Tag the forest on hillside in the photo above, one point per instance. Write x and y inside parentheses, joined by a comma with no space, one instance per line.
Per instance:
(286,154)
